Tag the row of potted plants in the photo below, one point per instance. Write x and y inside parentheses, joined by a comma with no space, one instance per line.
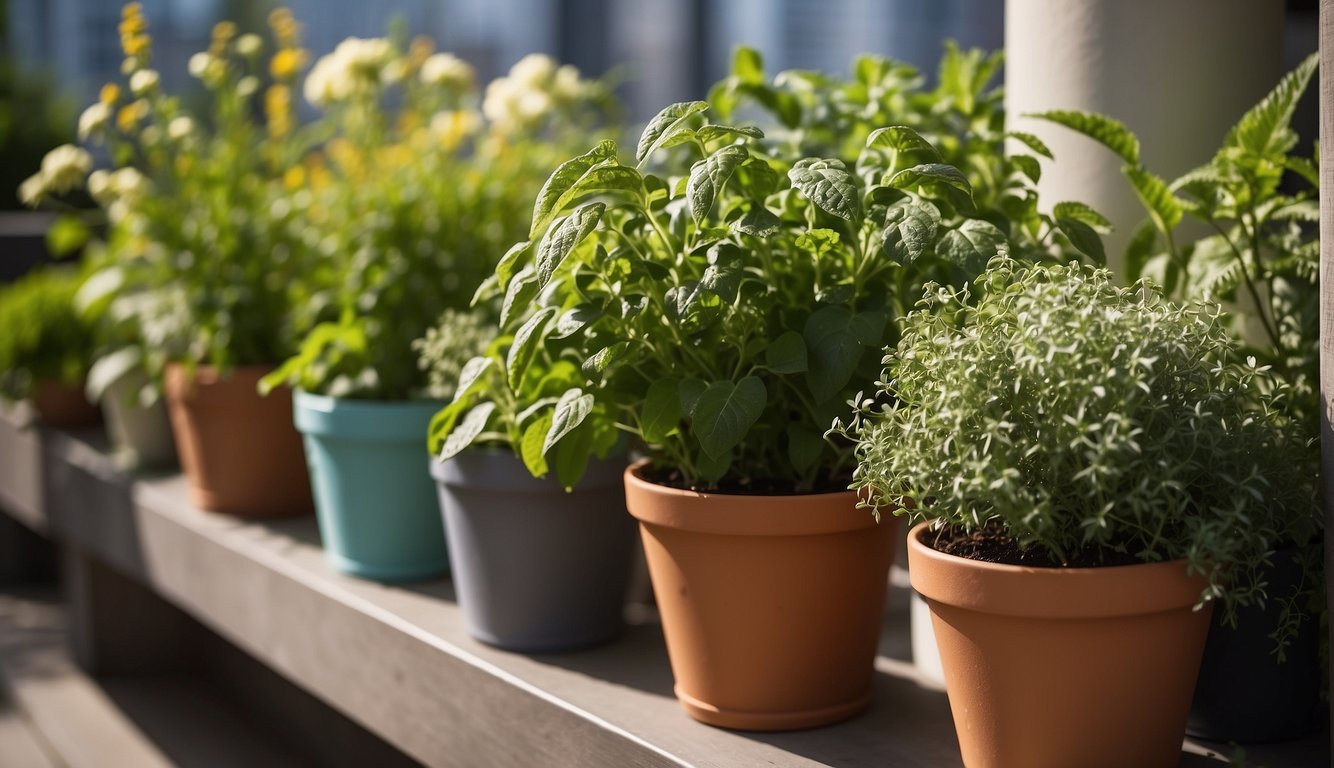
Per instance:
(703,312)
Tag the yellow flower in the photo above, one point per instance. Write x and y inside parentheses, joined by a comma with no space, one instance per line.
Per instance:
(418,51)
(294,178)
(285,27)
(286,63)
(129,115)
(134,40)
(278,110)
(110,94)
(223,32)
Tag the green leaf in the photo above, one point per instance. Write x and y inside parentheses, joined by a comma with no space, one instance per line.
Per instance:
(467,431)
(972,245)
(563,239)
(1264,130)
(662,410)
(1081,212)
(691,390)
(471,374)
(1083,238)
(566,176)
(521,292)
(109,369)
(722,280)
(574,321)
(708,133)
(1162,205)
(910,231)
(818,241)
(786,354)
(711,469)
(827,183)
(595,366)
(804,446)
(664,126)
(442,424)
(1141,246)
(931,175)
(1032,142)
(509,263)
(725,412)
(571,455)
(1028,165)
(836,340)
(748,65)
(1112,134)
(757,221)
(901,138)
(531,448)
(66,235)
(708,176)
(526,342)
(571,410)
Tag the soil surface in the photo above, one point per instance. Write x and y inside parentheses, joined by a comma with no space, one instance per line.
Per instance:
(745,487)
(991,545)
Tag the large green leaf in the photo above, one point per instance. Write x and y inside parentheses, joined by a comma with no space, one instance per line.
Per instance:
(972,245)
(566,175)
(571,410)
(1081,212)
(1163,207)
(757,221)
(665,126)
(1112,134)
(1264,129)
(910,231)
(725,412)
(804,446)
(690,391)
(836,339)
(827,183)
(526,342)
(786,354)
(931,175)
(531,445)
(662,410)
(1032,142)
(471,374)
(564,238)
(1083,238)
(467,431)
(708,176)
(574,321)
(901,138)
(523,288)
(509,263)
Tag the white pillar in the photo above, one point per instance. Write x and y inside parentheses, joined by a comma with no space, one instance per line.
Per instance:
(1327,295)
(1178,72)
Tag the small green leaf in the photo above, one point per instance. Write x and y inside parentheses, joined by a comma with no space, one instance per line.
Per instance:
(757,221)
(836,339)
(664,126)
(570,456)
(804,446)
(725,412)
(786,354)
(931,175)
(596,366)
(691,390)
(520,293)
(531,448)
(1032,142)
(66,235)
(708,133)
(1083,238)
(662,410)
(1081,212)
(972,245)
(467,431)
(910,231)
(1162,205)
(442,424)
(471,374)
(509,263)
(901,138)
(827,183)
(574,321)
(566,176)
(748,65)
(1112,134)
(1027,165)
(571,410)
(708,176)
(563,239)
(526,342)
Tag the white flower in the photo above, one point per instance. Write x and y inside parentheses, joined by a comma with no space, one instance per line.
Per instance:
(246,86)
(354,66)
(453,126)
(99,186)
(144,82)
(567,85)
(199,64)
(534,71)
(33,189)
(129,183)
(497,103)
(180,128)
(93,119)
(446,70)
(65,167)
(150,135)
(249,44)
(532,105)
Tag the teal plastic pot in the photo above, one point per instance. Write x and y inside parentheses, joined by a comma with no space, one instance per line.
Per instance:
(374,498)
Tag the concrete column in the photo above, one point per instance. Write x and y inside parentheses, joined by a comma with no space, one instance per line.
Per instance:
(1177,72)
(1327,291)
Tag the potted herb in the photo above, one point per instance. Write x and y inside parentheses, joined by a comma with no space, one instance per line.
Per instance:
(208,261)
(1257,196)
(416,198)
(1088,466)
(722,319)
(540,545)
(46,346)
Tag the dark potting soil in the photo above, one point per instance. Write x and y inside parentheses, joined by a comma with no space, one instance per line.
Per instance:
(990,544)
(744,487)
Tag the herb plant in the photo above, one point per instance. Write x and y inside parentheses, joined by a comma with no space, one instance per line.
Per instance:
(44,337)
(1082,421)
(723,317)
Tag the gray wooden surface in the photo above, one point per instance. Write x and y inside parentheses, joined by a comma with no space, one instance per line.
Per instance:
(396,659)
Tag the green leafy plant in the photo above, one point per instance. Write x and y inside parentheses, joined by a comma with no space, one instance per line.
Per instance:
(457,337)
(44,337)
(1084,423)
(416,195)
(722,317)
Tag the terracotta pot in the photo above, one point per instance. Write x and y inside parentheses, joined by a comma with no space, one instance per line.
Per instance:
(61,405)
(239,451)
(1055,667)
(771,605)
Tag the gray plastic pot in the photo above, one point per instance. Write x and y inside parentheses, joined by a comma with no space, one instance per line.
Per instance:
(140,435)
(536,569)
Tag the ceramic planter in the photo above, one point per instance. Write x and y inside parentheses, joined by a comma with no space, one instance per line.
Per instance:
(140,435)
(771,605)
(239,451)
(1055,667)
(62,405)
(1244,695)
(375,503)
(536,568)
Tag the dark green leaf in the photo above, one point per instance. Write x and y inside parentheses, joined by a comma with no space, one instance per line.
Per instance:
(931,175)
(564,237)
(757,221)
(708,176)
(662,410)
(467,431)
(804,446)
(1081,212)
(571,410)
(971,246)
(1032,142)
(1142,244)
(574,321)
(910,231)
(1083,238)
(1028,165)
(570,456)
(691,389)
(526,342)
(787,354)
(836,339)
(664,126)
(722,280)
(725,412)
(1112,134)
(828,184)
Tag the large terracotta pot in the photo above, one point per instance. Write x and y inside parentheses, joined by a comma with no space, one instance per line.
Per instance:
(771,605)
(1056,667)
(239,451)
(62,405)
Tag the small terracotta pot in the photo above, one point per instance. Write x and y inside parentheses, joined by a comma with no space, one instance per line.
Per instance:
(61,405)
(1055,667)
(239,451)
(771,605)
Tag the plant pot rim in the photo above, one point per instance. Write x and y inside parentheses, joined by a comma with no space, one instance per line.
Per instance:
(1055,593)
(394,421)
(738,514)
(497,468)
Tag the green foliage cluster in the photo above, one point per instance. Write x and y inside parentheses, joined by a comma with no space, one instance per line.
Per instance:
(1084,417)
(44,336)
(457,337)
